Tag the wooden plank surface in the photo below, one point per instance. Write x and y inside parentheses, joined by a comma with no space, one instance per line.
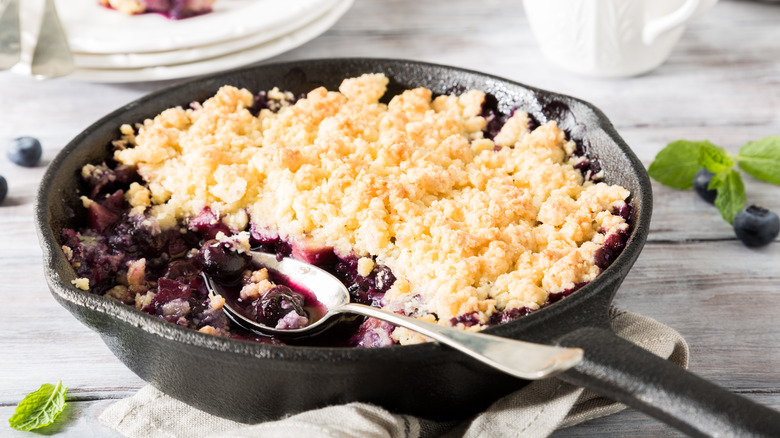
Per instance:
(721,83)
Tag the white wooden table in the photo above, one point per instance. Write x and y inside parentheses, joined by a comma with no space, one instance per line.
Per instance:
(722,83)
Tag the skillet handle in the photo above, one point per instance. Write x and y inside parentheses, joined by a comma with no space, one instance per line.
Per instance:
(624,372)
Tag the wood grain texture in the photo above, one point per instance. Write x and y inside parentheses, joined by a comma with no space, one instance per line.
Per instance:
(721,83)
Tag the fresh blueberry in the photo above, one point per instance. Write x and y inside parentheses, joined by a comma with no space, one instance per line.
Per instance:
(3,188)
(756,226)
(701,183)
(24,151)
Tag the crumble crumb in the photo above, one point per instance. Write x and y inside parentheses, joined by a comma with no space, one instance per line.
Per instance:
(86,202)
(144,300)
(365,265)
(239,242)
(255,290)
(81,283)
(138,196)
(216,302)
(121,293)
(68,252)
(209,330)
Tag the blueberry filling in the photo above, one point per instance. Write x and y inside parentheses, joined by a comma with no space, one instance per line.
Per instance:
(495,120)
(615,242)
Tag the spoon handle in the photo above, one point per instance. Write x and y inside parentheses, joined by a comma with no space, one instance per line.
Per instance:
(518,358)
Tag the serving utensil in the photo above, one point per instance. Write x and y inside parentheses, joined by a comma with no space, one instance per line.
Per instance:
(52,56)
(10,45)
(518,358)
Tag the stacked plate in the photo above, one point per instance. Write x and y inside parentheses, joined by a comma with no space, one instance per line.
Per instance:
(109,46)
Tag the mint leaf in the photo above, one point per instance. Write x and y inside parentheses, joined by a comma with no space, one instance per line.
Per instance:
(714,158)
(39,408)
(731,193)
(677,163)
(761,159)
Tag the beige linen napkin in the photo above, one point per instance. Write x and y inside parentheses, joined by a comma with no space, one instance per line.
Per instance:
(534,411)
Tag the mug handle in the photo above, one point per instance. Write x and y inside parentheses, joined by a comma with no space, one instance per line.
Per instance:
(659,26)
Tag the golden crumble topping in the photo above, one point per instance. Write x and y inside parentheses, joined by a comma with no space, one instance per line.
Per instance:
(468,225)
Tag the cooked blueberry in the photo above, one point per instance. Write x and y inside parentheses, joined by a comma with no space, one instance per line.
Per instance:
(492,116)
(701,183)
(373,333)
(208,224)
(616,242)
(583,165)
(169,290)
(346,270)
(756,226)
(511,315)
(100,218)
(3,188)
(272,245)
(358,295)
(275,304)
(383,278)
(115,201)
(220,261)
(24,151)
(603,257)
(624,211)
(158,264)
(182,270)
(595,167)
(467,319)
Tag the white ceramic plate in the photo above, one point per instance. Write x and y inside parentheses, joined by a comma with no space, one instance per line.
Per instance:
(233,60)
(193,54)
(95,29)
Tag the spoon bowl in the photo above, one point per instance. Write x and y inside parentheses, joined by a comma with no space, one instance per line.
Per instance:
(518,358)
(330,294)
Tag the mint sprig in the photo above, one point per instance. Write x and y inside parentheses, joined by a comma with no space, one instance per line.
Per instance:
(714,158)
(762,159)
(39,408)
(731,193)
(676,166)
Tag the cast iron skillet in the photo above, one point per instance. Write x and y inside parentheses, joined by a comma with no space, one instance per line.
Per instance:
(250,382)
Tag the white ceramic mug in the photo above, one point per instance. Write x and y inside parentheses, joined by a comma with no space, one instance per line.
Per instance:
(610,38)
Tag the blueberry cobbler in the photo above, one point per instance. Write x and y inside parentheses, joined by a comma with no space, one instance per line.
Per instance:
(175,9)
(435,207)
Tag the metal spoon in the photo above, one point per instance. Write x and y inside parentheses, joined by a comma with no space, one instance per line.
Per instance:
(518,358)
(52,56)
